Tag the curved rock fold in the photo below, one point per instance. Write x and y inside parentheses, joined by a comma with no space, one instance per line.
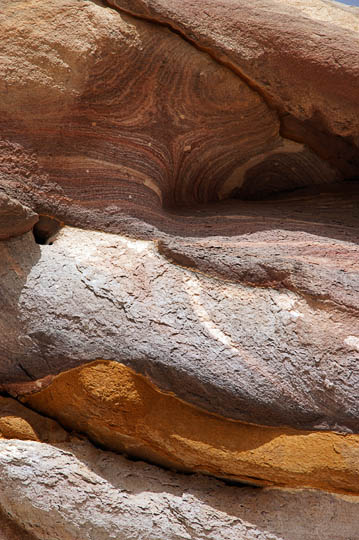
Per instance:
(179,277)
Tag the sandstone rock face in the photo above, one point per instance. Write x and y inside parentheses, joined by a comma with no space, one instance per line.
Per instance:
(93,295)
(76,492)
(286,49)
(184,307)
(143,119)
(15,219)
(300,56)
(18,422)
(99,296)
(9,530)
(120,410)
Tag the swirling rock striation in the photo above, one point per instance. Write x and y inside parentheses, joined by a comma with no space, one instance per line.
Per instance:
(233,326)
(105,115)
(285,49)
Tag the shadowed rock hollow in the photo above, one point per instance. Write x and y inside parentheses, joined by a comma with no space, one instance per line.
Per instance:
(179,274)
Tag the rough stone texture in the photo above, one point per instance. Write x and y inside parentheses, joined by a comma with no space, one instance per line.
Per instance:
(302,56)
(15,219)
(246,309)
(19,422)
(123,411)
(228,347)
(104,115)
(302,243)
(11,531)
(75,492)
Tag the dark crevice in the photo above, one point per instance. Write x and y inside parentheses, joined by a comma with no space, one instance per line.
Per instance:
(250,193)
(46,229)
(243,484)
(281,190)
(341,153)
(27,373)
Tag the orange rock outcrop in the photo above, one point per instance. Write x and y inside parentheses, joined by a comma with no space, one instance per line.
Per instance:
(122,410)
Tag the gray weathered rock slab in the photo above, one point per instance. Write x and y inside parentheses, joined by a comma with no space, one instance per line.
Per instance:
(225,346)
(76,492)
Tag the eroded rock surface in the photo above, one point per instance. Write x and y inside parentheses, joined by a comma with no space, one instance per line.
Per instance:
(142,118)
(120,410)
(94,296)
(221,338)
(12,531)
(76,492)
(15,219)
(228,347)
(286,49)
(19,422)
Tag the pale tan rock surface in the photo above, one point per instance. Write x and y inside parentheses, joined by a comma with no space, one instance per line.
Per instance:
(15,219)
(76,492)
(94,296)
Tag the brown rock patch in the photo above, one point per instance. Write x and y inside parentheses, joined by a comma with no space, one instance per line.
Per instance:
(18,422)
(15,219)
